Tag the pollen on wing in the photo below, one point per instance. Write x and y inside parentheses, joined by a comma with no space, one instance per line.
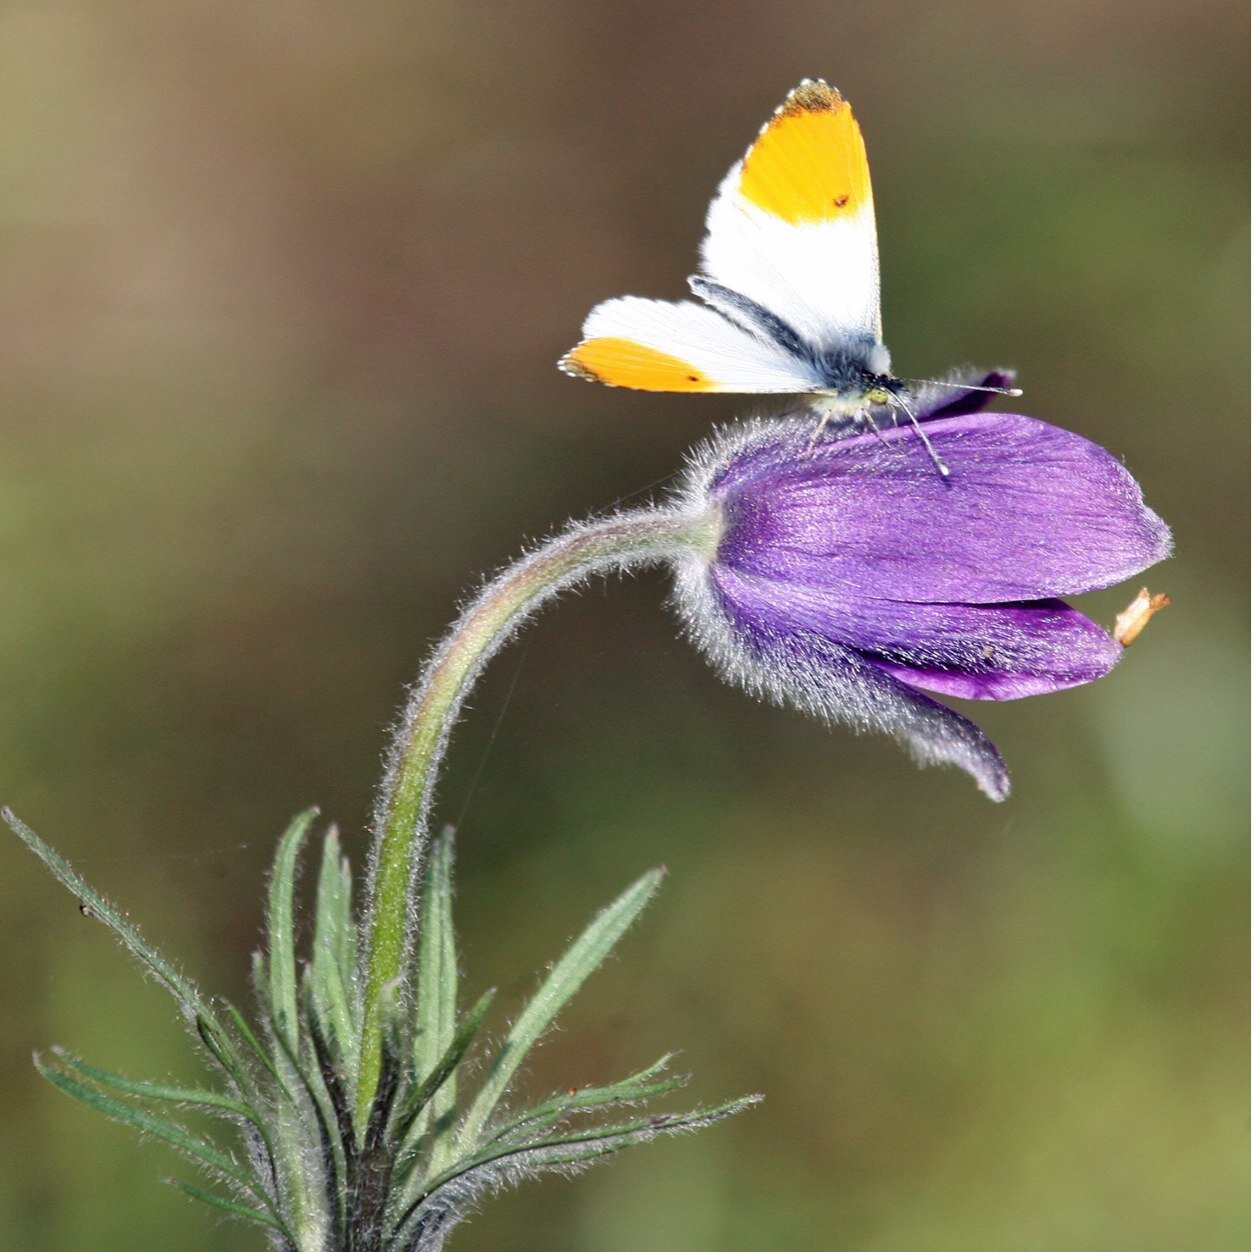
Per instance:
(625,363)
(809,163)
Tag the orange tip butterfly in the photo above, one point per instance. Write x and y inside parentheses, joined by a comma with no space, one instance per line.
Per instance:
(788,283)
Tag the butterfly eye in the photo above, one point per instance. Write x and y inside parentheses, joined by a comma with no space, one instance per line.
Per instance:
(878,395)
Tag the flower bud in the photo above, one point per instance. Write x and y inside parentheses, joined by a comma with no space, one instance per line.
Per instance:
(849,578)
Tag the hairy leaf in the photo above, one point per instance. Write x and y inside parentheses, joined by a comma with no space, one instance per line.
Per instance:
(569,973)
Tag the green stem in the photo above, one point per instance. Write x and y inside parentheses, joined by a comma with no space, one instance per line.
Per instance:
(628,539)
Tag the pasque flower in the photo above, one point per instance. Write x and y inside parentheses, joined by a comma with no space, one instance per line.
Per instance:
(850,578)
(846,575)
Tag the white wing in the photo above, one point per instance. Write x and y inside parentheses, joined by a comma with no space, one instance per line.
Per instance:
(792,224)
(659,345)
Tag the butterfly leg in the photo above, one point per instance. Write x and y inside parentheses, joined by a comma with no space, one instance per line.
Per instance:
(844,421)
(818,432)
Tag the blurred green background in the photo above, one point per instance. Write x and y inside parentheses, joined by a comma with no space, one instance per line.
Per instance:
(283,289)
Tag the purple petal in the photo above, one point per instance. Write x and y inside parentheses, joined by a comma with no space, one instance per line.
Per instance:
(1008,652)
(1029,512)
(979,651)
(821,677)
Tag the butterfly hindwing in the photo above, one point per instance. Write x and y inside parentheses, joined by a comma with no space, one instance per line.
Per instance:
(661,345)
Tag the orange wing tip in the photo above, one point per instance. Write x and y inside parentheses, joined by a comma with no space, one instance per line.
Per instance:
(1129,623)
(808,164)
(624,363)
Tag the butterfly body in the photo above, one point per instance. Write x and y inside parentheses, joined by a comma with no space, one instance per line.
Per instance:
(847,373)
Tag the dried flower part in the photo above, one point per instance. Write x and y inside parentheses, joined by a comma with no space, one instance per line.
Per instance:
(850,578)
(1130,622)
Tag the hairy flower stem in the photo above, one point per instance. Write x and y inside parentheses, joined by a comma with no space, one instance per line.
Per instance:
(627,540)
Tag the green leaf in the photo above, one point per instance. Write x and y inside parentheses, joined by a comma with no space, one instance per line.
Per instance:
(221,1046)
(280,984)
(332,968)
(173,1095)
(95,905)
(568,1147)
(157,1091)
(197,1009)
(408,1125)
(435,1023)
(302,1121)
(231,1206)
(636,1089)
(336,927)
(246,1032)
(499,1163)
(331,1122)
(569,973)
(177,1136)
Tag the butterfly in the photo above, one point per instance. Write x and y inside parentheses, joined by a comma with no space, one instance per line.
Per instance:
(788,287)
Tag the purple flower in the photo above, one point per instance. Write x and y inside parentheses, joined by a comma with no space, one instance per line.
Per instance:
(850,578)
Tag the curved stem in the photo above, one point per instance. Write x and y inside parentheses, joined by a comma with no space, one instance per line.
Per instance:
(625,540)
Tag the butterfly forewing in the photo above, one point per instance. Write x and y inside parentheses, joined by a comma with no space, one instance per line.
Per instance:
(792,225)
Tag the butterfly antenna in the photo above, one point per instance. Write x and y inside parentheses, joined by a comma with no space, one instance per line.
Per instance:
(940,382)
(940,464)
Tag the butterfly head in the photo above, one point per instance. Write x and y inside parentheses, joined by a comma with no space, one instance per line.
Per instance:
(883,389)
(857,381)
